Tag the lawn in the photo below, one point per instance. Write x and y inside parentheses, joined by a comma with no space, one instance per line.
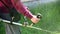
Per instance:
(50,19)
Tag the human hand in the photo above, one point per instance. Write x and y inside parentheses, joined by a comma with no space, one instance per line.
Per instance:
(34,19)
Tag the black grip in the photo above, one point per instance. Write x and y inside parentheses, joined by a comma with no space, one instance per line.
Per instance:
(39,16)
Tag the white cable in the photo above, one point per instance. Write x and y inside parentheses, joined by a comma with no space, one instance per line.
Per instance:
(19,24)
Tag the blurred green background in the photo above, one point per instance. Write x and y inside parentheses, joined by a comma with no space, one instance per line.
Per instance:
(50,19)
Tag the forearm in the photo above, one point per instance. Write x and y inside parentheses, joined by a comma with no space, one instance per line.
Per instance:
(21,8)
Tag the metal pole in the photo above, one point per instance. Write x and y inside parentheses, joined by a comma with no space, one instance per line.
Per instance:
(19,24)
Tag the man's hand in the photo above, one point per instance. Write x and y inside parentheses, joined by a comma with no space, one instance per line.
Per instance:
(35,19)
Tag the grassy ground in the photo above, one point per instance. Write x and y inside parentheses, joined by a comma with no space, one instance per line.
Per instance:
(50,20)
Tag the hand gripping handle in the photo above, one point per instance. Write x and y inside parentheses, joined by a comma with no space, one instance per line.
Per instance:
(39,16)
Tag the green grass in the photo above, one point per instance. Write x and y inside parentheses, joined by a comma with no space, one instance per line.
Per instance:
(50,20)
(2,30)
